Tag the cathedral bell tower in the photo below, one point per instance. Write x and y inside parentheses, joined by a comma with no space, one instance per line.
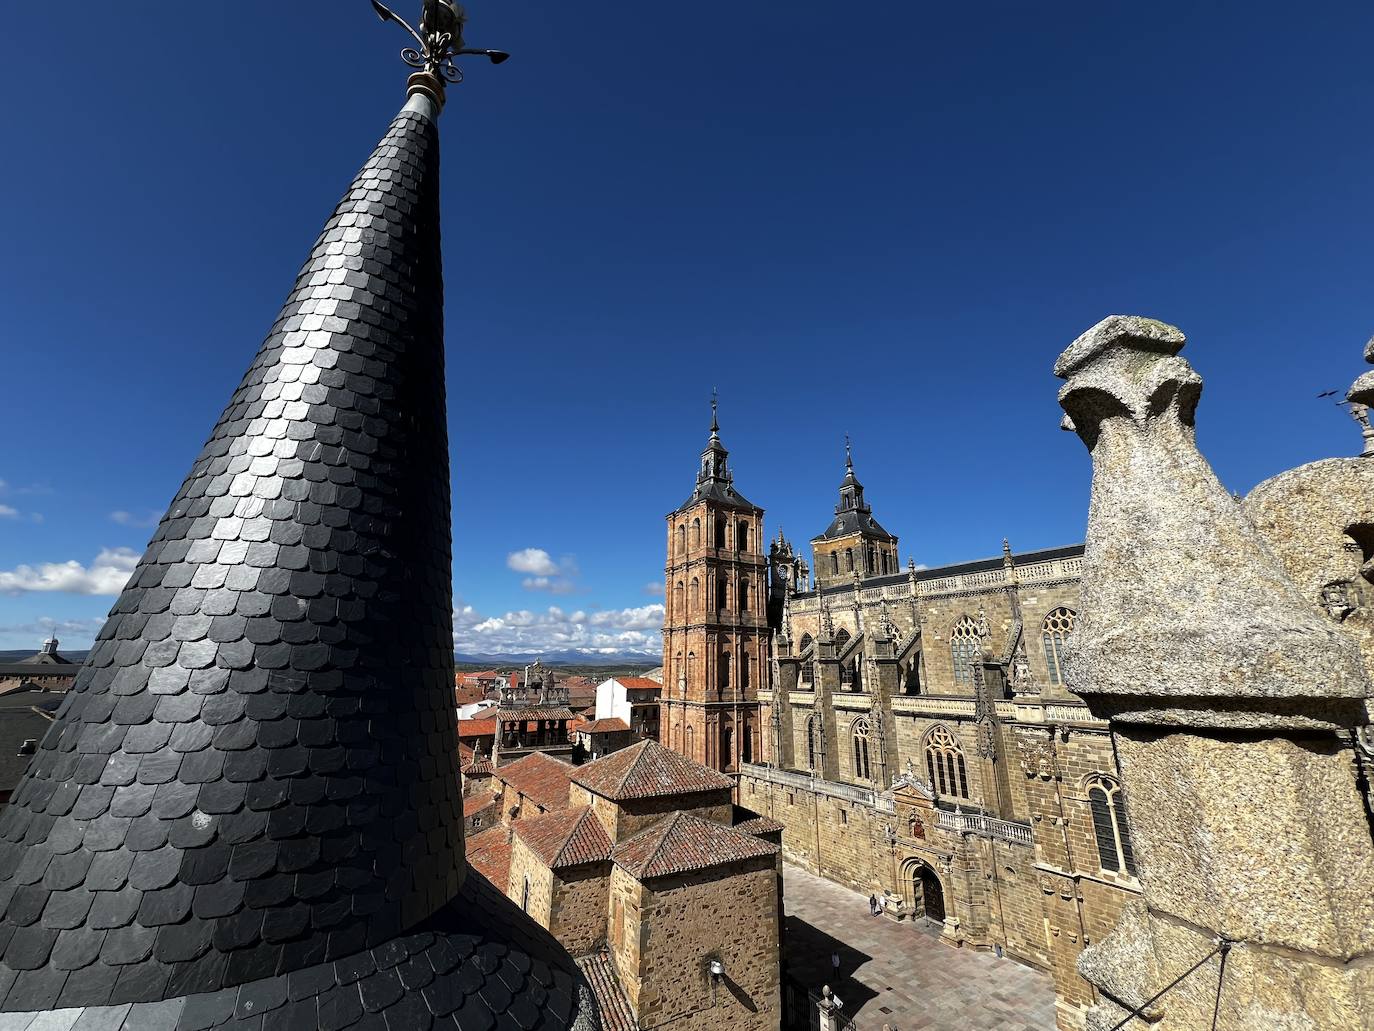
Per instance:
(715,628)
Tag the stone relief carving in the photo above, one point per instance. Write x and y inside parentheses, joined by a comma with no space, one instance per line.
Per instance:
(1038,758)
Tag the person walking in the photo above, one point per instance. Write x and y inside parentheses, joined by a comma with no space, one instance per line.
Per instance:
(872,905)
(835,966)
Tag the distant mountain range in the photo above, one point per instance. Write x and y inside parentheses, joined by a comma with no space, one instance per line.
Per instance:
(566,657)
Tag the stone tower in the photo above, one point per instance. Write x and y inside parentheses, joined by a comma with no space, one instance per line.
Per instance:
(853,542)
(715,630)
(247,811)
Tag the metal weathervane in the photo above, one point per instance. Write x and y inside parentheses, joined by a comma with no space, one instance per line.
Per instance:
(440,39)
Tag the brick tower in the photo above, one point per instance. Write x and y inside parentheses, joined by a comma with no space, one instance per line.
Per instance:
(715,629)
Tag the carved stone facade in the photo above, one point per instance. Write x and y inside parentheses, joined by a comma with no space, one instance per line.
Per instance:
(913,734)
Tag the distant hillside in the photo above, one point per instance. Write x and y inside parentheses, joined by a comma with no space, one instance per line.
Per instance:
(26,653)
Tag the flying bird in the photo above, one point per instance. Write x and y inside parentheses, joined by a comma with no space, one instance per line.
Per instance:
(1328,393)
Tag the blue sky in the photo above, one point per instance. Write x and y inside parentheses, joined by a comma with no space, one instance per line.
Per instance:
(885,219)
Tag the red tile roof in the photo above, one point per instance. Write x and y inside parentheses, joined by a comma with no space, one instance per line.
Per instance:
(540,778)
(568,837)
(759,826)
(648,770)
(616,1014)
(606,726)
(478,767)
(489,854)
(639,684)
(681,843)
(476,803)
(478,728)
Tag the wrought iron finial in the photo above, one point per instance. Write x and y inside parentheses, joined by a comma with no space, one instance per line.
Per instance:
(715,424)
(848,454)
(440,39)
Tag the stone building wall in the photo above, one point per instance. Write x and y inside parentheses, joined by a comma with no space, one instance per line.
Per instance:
(679,930)
(530,884)
(577,909)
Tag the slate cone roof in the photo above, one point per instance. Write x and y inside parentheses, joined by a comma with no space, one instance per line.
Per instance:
(647,770)
(248,811)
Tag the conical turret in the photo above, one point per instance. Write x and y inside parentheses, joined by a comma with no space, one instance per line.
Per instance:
(250,800)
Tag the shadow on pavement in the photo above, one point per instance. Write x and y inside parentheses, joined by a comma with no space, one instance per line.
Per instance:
(807,958)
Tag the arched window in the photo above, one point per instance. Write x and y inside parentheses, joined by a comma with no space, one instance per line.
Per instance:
(723,671)
(964,647)
(1055,633)
(808,666)
(744,595)
(722,593)
(834,561)
(859,730)
(678,612)
(681,538)
(691,742)
(691,663)
(848,560)
(841,639)
(746,672)
(1109,825)
(813,741)
(945,763)
(696,532)
(720,533)
(911,683)
(696,592)
(742,536)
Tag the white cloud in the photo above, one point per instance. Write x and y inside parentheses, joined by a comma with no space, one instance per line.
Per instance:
(130,519)
(654,589)
(532,560)
(552,584)
(8,513)
(614,631)
(106,575)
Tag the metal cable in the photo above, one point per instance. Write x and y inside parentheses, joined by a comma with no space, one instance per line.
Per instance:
(1222,946)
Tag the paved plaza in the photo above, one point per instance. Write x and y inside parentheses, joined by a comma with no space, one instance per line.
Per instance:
(899,973)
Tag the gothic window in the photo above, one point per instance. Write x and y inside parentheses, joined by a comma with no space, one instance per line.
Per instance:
(677,601)
(696,532)
(808,666)
(723,672)
(744,595)
(1055,633)
(813,741)
(860,729)
(945,763)
(1110,826)
(964,647)
(841,639)
(681,538)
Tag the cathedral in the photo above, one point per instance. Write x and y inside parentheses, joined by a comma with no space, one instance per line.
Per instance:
(909,728)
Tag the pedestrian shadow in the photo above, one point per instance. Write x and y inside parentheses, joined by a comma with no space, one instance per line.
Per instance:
(807,959)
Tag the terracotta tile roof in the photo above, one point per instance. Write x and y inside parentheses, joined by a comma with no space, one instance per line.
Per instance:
(567,837)
(511,715)
(616,1014)
(489,854)
(606,726)
(639,684)
(759,825)
(538,777)
(476,803)
(465,754)
(472,729)
(478,767)
(648,770)
(681,842)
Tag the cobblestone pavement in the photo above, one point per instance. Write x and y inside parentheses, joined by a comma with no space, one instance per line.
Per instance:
(899,973)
